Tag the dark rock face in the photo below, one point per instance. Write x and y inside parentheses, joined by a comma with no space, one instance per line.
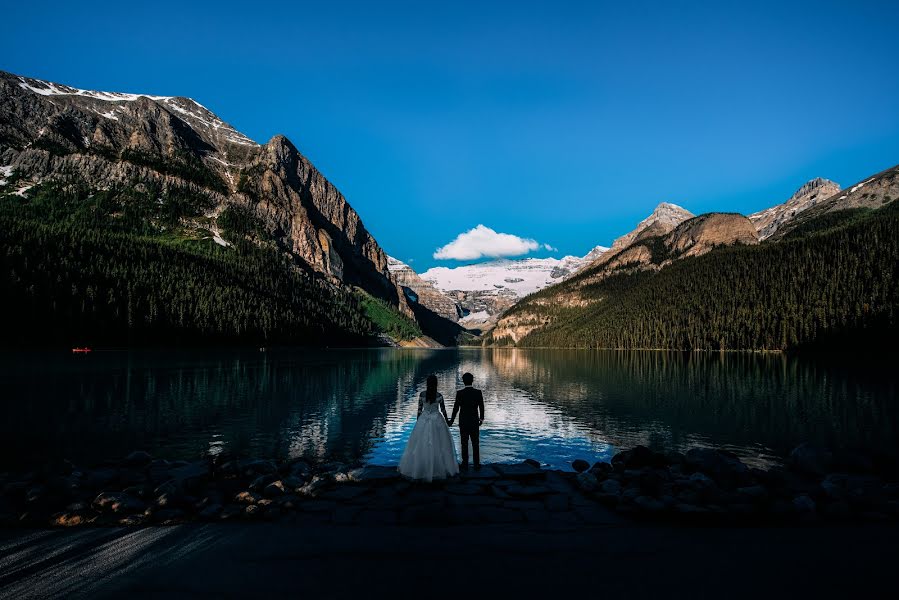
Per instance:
(50,131)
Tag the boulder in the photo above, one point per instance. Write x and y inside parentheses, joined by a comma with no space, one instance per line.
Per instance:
(532,462)
(725,468)
(247,497)
(601,469)
(648,504)
(811,460)
(639,457)
(587,482)
(260,483)
(137,460)
(274,489)
(580,465)
(118,502)
(610,486)
(804,504)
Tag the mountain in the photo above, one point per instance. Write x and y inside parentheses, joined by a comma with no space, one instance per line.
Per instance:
(168,168)
(654,244)
(768,221)
(664,218)
(871,193)
(485,290)
(826,276)
(422,292)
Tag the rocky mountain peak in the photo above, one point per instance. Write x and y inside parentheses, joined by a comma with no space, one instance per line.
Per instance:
(768,221)
(665,217)
(113,140)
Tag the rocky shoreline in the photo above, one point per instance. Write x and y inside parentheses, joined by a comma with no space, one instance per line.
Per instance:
(702,486)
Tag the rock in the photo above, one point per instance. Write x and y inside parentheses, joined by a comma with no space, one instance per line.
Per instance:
(211,512)
(722,466)
(527,491)
(647,504)
(118,502)
(579,465)
(837,510)
(292,484)
(690,509)
(804,504)
(252,510)
(300,469)
(675,458)
(247,497)
(610,486)
(257,467)
(638,457)
(274,489)
(314,487)
(169,516)
(133,520)
(259,483)
(191,476)
(810,460)
(601,469)
(98,478)
(231,511)
(467,489)
(376,474)
(587,482)
(69,519)
(168,500)
(137,459)
(534,463)
(756,492)
(556,503)
(520,471)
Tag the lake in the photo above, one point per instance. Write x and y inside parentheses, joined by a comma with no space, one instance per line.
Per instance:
(551,405)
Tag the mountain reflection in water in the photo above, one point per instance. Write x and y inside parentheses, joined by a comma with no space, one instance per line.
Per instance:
(552,405)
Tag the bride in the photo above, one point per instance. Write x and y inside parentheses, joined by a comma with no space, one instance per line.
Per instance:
(430,453)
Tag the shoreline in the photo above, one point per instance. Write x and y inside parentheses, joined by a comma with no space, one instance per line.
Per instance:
(704,486)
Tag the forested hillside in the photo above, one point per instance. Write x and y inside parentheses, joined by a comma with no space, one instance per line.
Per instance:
(834,281)
(114,267)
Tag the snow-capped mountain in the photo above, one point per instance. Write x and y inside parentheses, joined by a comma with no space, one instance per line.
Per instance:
(484,290)
(521,277)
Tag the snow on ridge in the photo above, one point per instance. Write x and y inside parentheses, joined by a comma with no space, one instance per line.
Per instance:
(520,277)
(48,88)
(5,172)
(863,183)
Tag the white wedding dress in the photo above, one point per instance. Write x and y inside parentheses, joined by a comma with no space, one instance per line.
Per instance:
(430,453)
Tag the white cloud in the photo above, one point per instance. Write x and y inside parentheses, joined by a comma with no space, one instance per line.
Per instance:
(485,242)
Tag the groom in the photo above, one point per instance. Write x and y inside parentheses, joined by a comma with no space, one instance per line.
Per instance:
(469,405)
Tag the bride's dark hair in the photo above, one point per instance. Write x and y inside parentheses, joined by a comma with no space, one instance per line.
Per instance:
(431,389)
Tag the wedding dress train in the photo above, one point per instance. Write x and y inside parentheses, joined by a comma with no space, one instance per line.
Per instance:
(430,453)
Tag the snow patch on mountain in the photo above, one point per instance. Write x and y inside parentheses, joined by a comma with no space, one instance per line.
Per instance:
(521,277)
(196,113)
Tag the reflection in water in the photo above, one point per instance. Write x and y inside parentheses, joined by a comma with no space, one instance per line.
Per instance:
(553,405)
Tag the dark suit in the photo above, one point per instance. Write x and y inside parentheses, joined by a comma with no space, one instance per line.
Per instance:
(469,405)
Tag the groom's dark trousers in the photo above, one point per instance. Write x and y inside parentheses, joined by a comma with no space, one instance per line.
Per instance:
(469,405)
(470,433)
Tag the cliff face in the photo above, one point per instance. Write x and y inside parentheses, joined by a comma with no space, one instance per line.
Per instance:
(703,233)
(422,291)
(871,193)
(107,140)
(768,221)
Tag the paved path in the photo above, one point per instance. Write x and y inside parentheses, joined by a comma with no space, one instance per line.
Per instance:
(225,560)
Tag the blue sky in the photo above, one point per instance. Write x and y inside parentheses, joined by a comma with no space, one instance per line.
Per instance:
(560,122)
